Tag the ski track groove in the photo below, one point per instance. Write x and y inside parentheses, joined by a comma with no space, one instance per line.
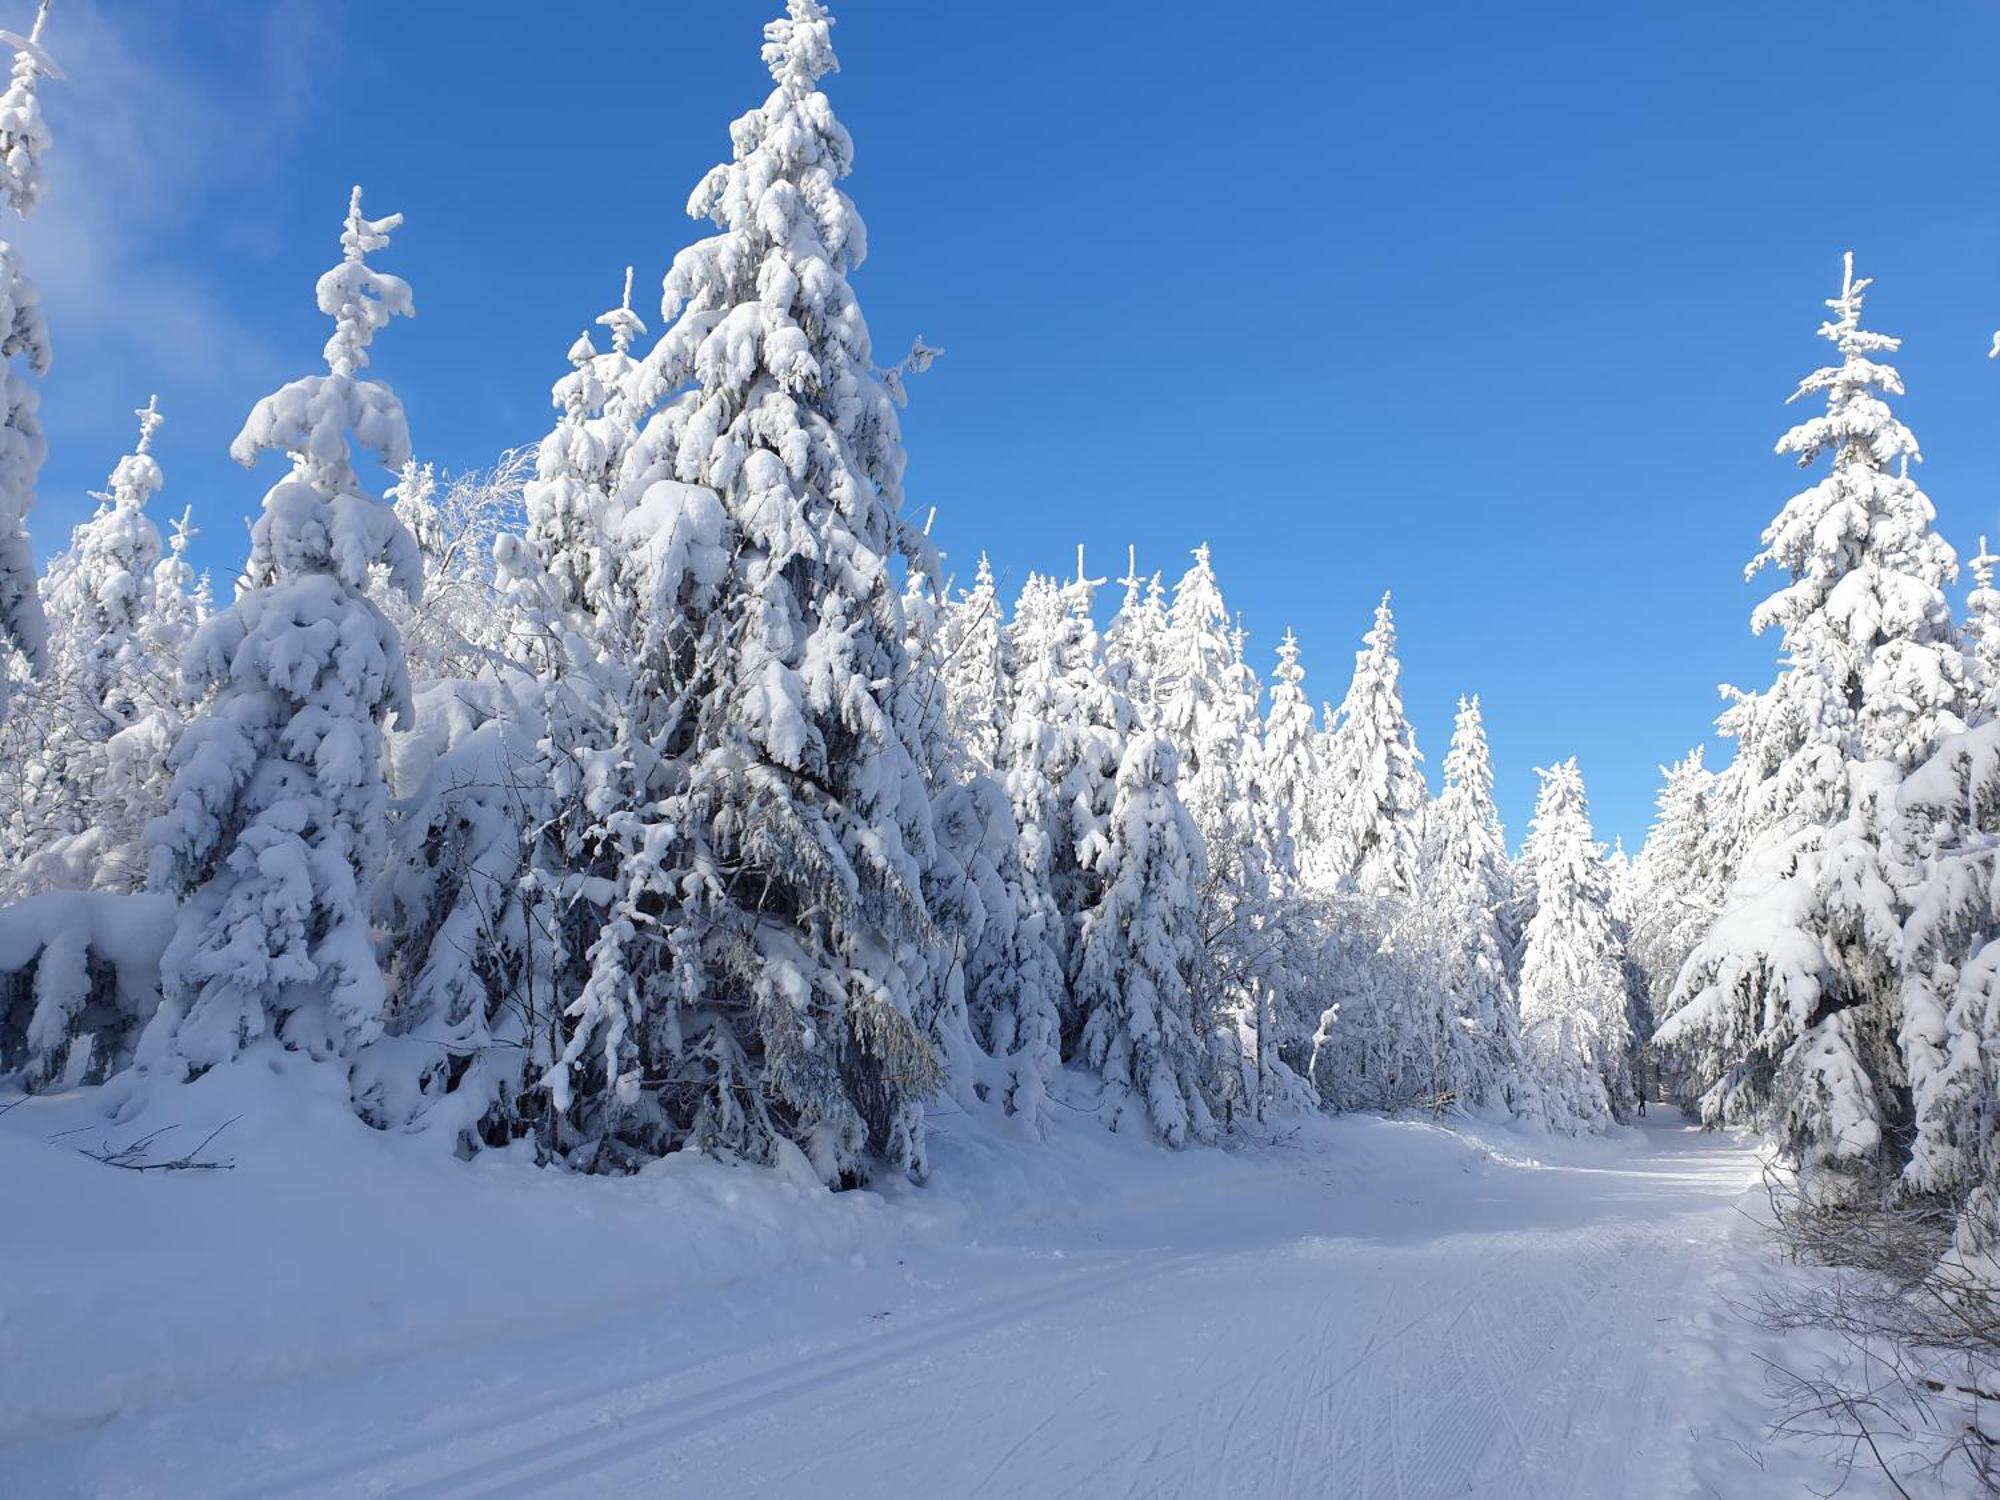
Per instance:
(438,1443)
(583,1453)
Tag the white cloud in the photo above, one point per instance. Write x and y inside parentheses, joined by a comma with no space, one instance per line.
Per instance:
(165,107)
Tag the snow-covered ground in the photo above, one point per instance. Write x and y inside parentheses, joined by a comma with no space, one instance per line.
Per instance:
(1356,1306)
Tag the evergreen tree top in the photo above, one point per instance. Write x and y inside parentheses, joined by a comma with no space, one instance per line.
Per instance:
(149,423)
(137,477)
(798,49)
(1468,764)
(359,299)
(625,324)
(1857,424)
(1289,673)
(24,135)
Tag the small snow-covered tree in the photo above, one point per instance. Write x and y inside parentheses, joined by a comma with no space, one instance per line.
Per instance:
(1135,640)
(1002,986)
(1574,1001)
(1202,707)
(79,823)
(973,668)
(1205,702)
(100,604)
(468,1024)
(1677,889)
(1466,885)
(1982,637)
(1789,1008)
(1375,793)
(1062,750)
(24,340)
(1139,954)
(275,825)
(468,1027)
(570,544)
(1290,770)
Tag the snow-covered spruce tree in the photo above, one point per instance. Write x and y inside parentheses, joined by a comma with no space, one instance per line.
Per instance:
(1201,707)
(275,824)
(1061,753)
(1790,1009)
(136,770)
(1638,997)
(1001,1020)
(599,631)
(1205,702)
(1950,1032)
(974,670)
(1135,639)
(24,339)
(1140,963)
(1293,923)
(1982,638)
(467,1030)
(103,677)
(1386,1048)
(1375,793)
(468,1027)
(568,501)
(180,595)
(1466,886)
(1676,889)
(105,597)
(1574,1003)
(427,634)
(765,969)
(1290,772)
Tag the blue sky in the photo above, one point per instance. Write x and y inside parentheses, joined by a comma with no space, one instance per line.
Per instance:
(1493,306)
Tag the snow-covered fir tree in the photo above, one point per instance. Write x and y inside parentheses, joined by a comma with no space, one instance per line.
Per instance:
(1140,967)
(1205,702)
(467,1031)
(1466,885)
(180,595)
(25,346)
(1003,990)
(1677,890)
(973,668)
(275,824)
(1574,1002)
(1136,638)
(764,973)
(569,545)
(82,813)
(1949,1035)
(1196,702)
(1289,770)
(1375,793)
(1982,637)
(1063,746)
(1789,1011)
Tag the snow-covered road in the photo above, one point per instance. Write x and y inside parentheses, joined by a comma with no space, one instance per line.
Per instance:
(1414,1315)
(1538,1335)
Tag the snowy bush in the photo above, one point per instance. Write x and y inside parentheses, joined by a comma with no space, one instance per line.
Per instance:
(79,976)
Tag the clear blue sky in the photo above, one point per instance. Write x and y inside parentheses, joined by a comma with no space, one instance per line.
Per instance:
(1494,306)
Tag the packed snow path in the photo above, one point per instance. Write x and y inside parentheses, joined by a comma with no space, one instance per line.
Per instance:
(1415,1317)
